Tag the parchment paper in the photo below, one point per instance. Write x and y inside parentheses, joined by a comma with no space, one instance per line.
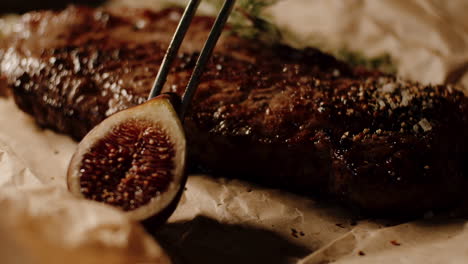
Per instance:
(229,221)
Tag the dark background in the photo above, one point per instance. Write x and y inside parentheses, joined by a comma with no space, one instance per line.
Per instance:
(20,6)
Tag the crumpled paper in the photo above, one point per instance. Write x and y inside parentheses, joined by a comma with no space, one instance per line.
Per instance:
(428,39)
(231,221)
(41,222)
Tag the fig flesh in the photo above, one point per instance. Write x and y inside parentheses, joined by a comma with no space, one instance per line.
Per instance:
(133,160)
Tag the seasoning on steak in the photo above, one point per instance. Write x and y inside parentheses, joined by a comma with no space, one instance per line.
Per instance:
(293,119)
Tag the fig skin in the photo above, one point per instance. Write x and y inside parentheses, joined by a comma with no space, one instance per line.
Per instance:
(161,111)
(152,223)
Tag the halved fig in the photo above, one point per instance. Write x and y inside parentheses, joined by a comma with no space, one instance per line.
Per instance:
(133,160)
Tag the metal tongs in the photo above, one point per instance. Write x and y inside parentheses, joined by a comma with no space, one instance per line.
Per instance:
(205,54)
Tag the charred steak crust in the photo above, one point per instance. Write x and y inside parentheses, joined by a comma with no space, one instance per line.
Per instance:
(294,119)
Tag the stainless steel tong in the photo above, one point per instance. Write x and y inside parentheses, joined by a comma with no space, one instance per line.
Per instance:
(205,54)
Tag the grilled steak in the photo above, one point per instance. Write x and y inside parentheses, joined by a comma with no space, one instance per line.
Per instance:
(293,119)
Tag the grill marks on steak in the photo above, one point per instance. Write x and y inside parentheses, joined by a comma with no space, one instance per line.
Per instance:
(295,119)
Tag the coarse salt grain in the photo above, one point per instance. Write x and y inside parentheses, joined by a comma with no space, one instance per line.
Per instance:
(406,97)
(389,88)
(425,125)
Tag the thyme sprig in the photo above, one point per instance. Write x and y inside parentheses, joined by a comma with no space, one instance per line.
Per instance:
(249,20)
(383,62)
